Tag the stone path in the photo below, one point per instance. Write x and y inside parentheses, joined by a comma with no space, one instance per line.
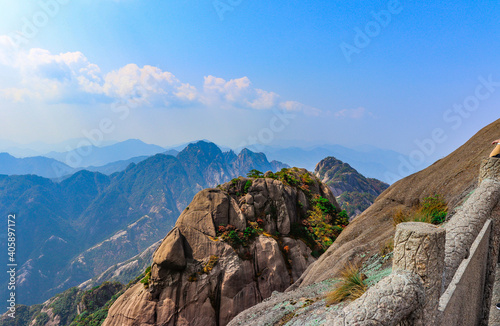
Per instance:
(494,312)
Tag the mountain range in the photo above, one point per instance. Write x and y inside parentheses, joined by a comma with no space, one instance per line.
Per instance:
(369,161)
(75,229)
(97,156)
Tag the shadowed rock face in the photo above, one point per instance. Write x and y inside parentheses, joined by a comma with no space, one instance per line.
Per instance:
(197,278)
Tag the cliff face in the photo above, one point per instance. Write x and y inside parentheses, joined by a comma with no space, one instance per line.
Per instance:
(453,177)
(354,192)
(230,249)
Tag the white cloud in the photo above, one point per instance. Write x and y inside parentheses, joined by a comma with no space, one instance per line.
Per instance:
(71,78)
(241,93)
(353,113)
(148,85)
(238,92)
(294,106)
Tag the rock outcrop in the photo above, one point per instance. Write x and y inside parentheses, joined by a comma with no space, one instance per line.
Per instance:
(229,250)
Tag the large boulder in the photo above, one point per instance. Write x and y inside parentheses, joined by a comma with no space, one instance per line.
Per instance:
(229,250)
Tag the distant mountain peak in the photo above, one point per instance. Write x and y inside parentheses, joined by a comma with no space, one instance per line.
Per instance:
(201,151)
(354,192)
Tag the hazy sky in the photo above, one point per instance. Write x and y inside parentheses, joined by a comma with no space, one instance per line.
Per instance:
(382,73)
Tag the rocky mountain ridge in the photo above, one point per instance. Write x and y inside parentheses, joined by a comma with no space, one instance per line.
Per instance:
(132,209)
(354,192)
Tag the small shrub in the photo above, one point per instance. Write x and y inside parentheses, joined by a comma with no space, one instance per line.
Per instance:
(248,184)
(145,280)
(343,214)
(432,209)
(325,205)
(210,264)
(350,287)
(306,179)
(255,174)
(249,232)
(435,207)
(233,238)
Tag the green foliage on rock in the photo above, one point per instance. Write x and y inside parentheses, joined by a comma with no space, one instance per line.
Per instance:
(236,237)
(24,315)
(96,317)
(255,174)
(41,319)
(322,225)
(432,209)
(248,184)
(147,275)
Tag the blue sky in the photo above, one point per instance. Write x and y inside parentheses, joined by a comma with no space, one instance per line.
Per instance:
(240,71)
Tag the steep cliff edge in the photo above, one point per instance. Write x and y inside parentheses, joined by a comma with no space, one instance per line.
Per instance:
(231,248)
(453,177)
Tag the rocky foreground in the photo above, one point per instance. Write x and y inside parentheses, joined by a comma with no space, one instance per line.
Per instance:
(231,248)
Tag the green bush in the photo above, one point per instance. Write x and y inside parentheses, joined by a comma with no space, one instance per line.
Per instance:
(255,174)
(248,184)
(147,275)
(432,209)
(322,225)
(325,205)
(435,207)
(41,319)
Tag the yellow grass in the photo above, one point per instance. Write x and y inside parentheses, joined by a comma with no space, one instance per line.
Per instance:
(350,287)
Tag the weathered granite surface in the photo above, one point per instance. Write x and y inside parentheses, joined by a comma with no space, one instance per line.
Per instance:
(490,168)
(463,228)
(386,304)
(463,301)
(306,306)
(418,247)
(197,279)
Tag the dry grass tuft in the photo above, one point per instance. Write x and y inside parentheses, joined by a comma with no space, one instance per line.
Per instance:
(351,286)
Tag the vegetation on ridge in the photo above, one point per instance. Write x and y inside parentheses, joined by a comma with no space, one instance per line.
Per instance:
(432,209)
(319,227)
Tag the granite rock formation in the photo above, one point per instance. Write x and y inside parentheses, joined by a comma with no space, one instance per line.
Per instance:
(229,250)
